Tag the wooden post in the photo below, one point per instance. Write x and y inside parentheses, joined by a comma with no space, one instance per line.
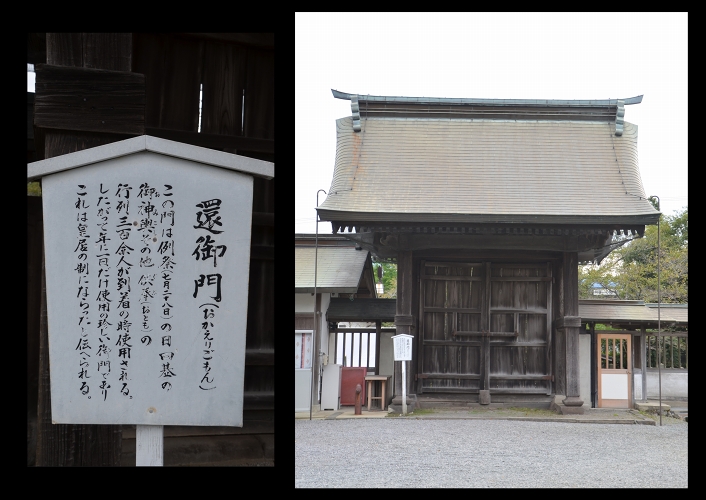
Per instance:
(571,329)
(403,317)
(404,387)
(65,444)
(484,393)
(149,442)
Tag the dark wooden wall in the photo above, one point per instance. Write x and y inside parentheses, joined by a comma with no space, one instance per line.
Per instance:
(171,68)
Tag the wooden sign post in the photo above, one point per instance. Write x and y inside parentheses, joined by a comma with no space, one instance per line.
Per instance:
(403,352)
(147,262)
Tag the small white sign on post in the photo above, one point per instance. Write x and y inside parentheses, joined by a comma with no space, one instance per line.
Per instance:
(403,352)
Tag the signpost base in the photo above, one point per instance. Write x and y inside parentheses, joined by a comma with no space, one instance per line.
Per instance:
(149,441)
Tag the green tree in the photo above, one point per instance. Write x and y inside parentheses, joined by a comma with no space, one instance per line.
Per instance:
(389,279)
(633,267)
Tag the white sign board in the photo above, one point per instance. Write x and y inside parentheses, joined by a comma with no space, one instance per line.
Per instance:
(147,262)
(403,347)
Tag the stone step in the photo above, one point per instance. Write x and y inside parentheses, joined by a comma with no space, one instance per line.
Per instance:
(650,406)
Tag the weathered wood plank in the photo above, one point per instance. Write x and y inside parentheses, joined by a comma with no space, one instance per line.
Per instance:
(451,278)
(90,100)
(234,144)
(464,376)
(254,422)
(172,69)
(521,278)
(263,219)
(452,342)
(252,449)
(223,89)
(486,320)
(264,357)
(471,310)
(259,94)
(571,308)
(261,40)
(36,48)
(263,252)
(111,51)
(258,400)
(34,304)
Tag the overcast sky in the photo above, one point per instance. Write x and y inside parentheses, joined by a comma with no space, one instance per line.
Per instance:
(501,56)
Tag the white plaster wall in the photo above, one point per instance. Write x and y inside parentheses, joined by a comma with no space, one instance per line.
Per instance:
(585,369)
(674,385)
(303,303)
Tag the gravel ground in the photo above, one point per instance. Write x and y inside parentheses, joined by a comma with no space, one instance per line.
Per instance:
(394,453)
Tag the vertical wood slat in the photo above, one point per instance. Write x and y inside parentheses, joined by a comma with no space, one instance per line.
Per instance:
(172,68)
(360,348)
(223,85)
(485,351)
(378,340)
(259,94)
(421,331)
(148,59)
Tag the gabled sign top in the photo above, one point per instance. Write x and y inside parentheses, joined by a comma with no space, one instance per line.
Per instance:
(206,156)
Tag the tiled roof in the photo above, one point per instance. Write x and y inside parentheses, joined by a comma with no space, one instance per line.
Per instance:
(679,312)
(486,170)
(635,311)
(339,269)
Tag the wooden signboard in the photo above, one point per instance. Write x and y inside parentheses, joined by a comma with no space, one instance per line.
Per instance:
(147,248)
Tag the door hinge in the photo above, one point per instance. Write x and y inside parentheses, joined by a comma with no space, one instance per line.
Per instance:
(552,378)
(415,377)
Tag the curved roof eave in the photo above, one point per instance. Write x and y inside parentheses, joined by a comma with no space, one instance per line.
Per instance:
(495,102)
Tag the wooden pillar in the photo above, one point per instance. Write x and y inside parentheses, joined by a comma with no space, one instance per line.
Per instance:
(484,383)
(378,334)
(63,444)
(571,324)
(404,321)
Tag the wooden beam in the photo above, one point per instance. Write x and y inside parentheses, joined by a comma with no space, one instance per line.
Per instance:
(229,143)
(91,100)
(568,322)
(261,40)
(260,357)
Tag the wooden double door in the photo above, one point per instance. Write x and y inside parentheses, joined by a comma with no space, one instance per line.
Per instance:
(485,326)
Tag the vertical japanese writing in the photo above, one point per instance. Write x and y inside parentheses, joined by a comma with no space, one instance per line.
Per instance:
(209,251)
(147,230)
(124,229)
(102,245)
(82,296)
(166,270)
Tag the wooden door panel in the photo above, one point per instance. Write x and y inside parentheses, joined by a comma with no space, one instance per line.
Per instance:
(459,298)
(512,360)
(532,328)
